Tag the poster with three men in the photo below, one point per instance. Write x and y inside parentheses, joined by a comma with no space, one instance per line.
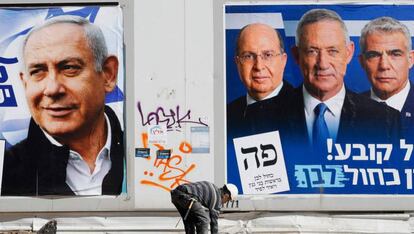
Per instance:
(319,98)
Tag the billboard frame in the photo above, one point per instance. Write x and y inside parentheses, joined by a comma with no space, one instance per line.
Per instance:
(286,202)
(125,201)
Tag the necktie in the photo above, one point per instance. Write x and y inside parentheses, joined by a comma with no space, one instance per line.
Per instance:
(320,129)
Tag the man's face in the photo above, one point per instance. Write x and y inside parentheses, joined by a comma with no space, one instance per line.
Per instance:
(225,198)
(261,75)
(323,56)
(64,92)
(387,62)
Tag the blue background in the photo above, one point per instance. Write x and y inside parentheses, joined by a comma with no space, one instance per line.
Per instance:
(355,80)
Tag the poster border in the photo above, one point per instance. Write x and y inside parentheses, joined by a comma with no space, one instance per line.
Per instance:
(289,202)
(125,201)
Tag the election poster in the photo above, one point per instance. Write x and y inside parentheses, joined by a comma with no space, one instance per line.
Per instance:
(61,100)
(259,177)
(339,105)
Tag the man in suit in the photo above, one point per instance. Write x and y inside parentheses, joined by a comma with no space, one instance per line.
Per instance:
(260,59)
(322,107)
(386,57)
(75,143)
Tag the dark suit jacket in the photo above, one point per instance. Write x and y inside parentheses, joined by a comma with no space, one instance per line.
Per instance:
(362,120)
(35,166)
(407,113)
(262,116)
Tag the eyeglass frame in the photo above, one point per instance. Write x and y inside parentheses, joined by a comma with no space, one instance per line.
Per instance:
(261,55)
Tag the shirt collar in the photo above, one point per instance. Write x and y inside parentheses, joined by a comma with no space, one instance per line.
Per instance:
(334,103)
(107,145)
(275,92)
(396,101)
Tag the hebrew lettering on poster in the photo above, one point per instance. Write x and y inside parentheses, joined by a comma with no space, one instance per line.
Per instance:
(327,176)
(261,163)
(360,152)
(7,97)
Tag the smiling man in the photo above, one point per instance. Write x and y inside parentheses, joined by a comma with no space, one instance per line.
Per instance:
(261,60)
(75,143)
(386,57)
(323,108)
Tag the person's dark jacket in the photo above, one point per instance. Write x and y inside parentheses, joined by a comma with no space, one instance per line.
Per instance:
(261,116)
(209,195)
(406,114)
(35,166)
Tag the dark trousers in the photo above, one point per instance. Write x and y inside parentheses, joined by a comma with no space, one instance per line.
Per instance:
(199,216)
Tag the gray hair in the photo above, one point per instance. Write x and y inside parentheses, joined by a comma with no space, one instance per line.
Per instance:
(281,44)
(317,15)
(385,25)
(94,36)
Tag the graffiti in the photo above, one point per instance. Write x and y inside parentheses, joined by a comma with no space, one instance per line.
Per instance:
(168,173)
(172,118)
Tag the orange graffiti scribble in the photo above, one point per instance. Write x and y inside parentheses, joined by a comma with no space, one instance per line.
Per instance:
(144,138)
(169,167)
(160,147)
(150,183)
(179,179)
(185,147)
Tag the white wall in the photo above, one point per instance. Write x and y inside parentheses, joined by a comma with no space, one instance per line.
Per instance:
(173,67)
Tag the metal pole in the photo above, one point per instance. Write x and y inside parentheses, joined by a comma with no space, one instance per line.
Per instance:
(188,211)
(189,208)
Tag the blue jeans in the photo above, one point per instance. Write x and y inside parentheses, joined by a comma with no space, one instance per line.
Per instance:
(198,218)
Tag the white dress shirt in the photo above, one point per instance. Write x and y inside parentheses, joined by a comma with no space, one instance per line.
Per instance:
(396,101)
(78,175)
(332,114)
(275,92)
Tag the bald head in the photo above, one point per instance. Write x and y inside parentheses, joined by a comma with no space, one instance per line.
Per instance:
(260,60)
(252,32)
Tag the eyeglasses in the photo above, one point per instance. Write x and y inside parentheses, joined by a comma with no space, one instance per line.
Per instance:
(250,58)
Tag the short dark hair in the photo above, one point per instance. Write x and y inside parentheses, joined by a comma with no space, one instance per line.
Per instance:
(225,190)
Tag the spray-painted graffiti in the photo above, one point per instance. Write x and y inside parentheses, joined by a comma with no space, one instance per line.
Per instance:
(167,173)
(172,118)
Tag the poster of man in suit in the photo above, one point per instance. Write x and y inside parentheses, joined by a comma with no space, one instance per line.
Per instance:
(327,133)
(62,101)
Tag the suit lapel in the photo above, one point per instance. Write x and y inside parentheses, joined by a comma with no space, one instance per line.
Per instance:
(297,119)
(347,119)
(407,111)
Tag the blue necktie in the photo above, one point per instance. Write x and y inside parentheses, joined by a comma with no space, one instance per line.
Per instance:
(320,129)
